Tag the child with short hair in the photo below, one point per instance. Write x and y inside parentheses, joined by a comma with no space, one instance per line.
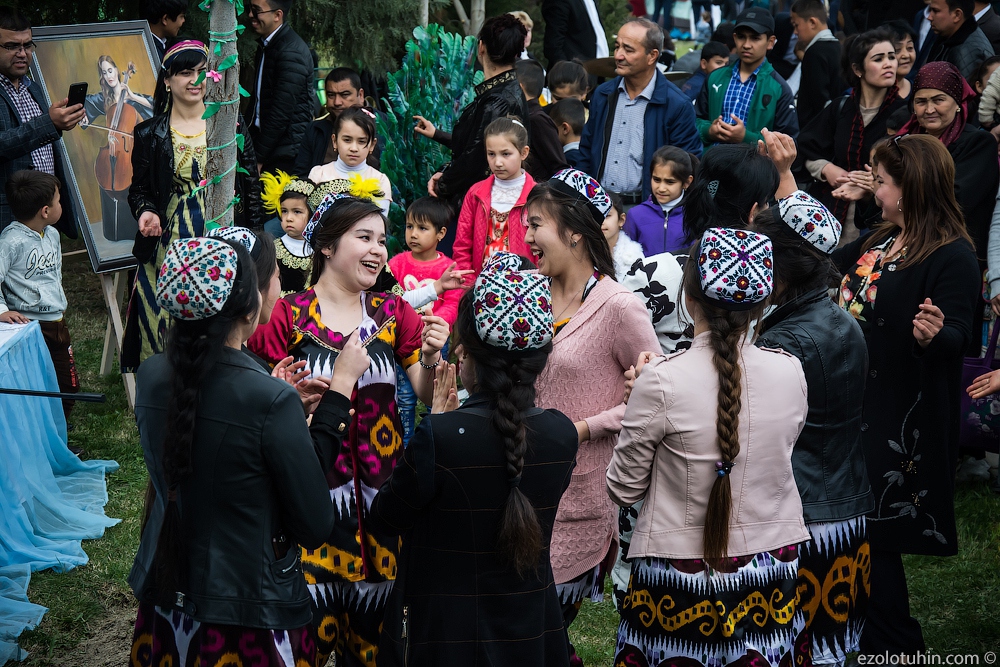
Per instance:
(427,221)
(288,197)
(547,156)
(354,137)
(568,79)
(31,269)
(820,69)
(624,251)
(492,212)
(713,56)
(658,222)
(569,115)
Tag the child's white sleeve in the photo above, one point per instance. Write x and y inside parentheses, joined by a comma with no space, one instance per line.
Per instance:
(991,97)
(4,267)
(421,296)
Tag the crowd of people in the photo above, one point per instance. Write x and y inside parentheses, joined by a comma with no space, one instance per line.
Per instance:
(708,341)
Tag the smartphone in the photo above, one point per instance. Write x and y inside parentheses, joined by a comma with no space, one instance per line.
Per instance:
(77,93)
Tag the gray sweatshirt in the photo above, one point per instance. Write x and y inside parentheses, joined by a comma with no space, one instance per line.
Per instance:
(31,273)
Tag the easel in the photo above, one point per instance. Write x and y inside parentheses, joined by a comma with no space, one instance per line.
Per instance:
(113,285)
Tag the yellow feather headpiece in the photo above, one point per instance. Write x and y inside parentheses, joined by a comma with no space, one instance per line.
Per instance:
(273,186)
(356,186)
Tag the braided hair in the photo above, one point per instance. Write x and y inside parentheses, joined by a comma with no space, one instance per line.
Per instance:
(508,380)
(193,347)
(726,329)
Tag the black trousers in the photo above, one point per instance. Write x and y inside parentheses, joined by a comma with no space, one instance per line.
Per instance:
(888,625)
(56,337)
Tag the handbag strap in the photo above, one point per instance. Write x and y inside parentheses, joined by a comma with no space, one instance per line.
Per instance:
(991,349)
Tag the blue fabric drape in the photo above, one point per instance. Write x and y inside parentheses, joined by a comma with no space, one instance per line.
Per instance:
(49,499)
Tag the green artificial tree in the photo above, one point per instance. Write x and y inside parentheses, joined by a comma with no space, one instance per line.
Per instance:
(436,80)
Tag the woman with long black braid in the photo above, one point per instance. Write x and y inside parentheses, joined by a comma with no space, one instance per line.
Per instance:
(707,441)
(476,493)
(239,478)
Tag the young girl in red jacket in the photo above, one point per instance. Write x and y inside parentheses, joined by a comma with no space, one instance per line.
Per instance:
(490,220)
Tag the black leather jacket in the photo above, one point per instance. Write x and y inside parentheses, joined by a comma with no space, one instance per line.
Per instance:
(258,488)
(828,462)
(152,174)
(497,97)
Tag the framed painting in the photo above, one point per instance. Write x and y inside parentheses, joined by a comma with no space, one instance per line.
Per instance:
(119,64)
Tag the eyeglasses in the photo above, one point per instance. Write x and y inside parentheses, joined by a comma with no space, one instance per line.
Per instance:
(253,11)
(14,47)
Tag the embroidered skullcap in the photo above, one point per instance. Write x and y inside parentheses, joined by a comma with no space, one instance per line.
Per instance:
(811,220)
(513,308)
(196,278)
(239,235)
(574,183)
(736,266)
(322,207)
(180,47)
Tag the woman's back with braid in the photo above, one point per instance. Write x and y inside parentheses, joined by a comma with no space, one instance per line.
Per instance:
(726,331)
(508,379)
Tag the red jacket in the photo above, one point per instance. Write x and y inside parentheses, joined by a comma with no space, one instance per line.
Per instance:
(474,225)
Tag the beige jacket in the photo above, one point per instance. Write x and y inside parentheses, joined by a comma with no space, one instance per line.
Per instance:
(668,447)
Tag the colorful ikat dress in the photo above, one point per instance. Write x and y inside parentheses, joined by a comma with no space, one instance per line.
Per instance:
(349,584)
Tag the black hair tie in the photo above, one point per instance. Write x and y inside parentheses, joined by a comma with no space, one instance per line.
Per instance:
(514,481)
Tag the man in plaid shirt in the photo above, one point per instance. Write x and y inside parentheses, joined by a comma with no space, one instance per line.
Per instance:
(737,102)
(27,133)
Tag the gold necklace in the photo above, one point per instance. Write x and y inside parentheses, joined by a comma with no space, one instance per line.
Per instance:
(185,136)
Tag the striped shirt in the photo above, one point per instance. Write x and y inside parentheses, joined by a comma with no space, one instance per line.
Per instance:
(623,166)
(43,158)
(739,94)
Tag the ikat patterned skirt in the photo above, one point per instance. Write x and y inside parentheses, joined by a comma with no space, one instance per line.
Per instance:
(834,572)
(167,637)
(683,613)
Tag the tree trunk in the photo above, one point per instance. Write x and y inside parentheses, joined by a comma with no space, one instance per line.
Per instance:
(424,12)
(221,130)
(462,16)
(478,16)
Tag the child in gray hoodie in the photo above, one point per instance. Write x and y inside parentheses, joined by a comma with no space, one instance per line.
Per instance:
(31,269)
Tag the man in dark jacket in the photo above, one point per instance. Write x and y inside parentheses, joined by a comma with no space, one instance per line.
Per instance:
(959,40)
(279,117)
(820,74)
(546,156)
(573,29)
(633,115)
(29,129)
(989,23)
(166,17)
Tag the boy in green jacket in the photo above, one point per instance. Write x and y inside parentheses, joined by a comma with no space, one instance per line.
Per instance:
(737,102)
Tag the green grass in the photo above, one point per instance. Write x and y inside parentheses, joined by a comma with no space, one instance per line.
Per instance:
(954,598)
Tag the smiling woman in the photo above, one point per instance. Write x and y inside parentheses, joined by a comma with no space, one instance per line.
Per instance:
(349,584)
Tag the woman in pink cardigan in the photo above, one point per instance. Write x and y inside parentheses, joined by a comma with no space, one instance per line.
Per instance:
(601,328)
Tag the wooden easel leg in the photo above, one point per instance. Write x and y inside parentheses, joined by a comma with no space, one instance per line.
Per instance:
(113,287)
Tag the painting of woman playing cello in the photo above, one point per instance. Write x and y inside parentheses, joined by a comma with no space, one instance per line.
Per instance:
(122,109)
(118,62)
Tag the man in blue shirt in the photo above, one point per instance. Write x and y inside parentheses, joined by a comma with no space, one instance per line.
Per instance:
(634,114)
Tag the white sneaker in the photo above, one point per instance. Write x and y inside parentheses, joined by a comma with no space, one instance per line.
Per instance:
(973,470)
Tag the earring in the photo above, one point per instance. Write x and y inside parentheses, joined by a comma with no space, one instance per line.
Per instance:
(573,244)
(168,89)
(898,207)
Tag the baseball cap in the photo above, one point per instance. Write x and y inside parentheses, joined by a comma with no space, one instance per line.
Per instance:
(757,19)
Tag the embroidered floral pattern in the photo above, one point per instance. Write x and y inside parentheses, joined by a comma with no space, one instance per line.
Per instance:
(859,288)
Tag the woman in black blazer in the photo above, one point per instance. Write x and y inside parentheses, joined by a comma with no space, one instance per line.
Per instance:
(238,477)
(476,493)
(912,285)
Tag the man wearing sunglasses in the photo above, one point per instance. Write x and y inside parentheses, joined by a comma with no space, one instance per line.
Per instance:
(29,128)
(282,95)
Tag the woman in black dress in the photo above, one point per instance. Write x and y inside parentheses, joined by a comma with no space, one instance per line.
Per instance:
(912,285)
